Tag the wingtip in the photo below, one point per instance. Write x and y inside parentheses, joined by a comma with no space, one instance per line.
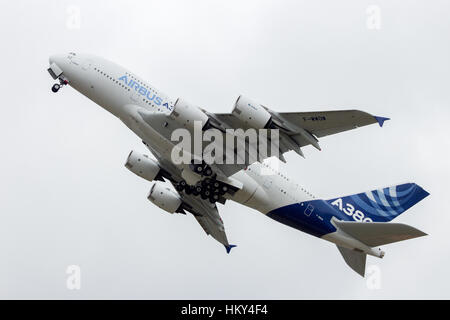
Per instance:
(229,247)
(381,120)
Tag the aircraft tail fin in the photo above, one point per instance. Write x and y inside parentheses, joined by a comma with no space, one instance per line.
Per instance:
(354,259)
(379,233)
(381,205)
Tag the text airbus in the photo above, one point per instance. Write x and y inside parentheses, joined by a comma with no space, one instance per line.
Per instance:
(143,91)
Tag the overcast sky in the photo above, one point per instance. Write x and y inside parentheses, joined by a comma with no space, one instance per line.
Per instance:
(67,199)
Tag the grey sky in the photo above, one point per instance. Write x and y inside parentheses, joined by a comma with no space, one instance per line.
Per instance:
(67,198)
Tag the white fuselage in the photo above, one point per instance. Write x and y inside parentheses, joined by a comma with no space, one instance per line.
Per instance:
(263,188)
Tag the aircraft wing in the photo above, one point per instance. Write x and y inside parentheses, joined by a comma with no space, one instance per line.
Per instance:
(166,126)
(205,212)
(295,130)
(299,129)
(317,123)
(207,215)
(324,123)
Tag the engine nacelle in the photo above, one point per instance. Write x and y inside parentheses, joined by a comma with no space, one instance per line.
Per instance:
(185,114)
(141,165)
(251,113)
(165,197)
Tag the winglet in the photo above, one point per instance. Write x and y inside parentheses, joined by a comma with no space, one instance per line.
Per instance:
(229,247)
(381,120)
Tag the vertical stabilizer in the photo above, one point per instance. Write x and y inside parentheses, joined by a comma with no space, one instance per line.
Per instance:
(380,205)
(354,259)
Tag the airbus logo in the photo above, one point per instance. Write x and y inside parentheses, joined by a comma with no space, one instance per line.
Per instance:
(143,91)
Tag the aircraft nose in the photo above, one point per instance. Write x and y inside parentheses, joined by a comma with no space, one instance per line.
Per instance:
(56,58)
(57,65)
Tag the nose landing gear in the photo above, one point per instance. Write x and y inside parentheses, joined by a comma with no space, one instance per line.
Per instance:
(57,86)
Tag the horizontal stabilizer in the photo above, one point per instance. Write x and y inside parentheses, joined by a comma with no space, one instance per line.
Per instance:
(354,259)
(375,234)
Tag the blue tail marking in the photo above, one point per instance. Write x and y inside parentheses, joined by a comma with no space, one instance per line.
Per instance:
(379,205)
(382,205)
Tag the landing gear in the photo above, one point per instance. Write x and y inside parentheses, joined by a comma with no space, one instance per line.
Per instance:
(208,189)
(189,190)
(214,198)
(197,190)
(207,171)
(198,169)
(201,168)
(56,87)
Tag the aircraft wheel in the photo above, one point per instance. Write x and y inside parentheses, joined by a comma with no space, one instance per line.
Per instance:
(198,169)
(208,171)
(188,190)
(214,198)
(56,87)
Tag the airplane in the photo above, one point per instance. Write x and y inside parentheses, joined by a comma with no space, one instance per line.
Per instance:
(358,224)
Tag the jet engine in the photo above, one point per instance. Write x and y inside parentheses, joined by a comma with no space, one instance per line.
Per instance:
(251,113)
(185,114)
(141,165)
(165,197)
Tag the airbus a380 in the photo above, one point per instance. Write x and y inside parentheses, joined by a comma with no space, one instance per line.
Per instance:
(358,224)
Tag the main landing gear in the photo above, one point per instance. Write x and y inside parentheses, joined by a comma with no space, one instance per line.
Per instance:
(201,168)
(208,188)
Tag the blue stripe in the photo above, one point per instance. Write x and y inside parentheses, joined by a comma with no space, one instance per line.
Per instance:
(296,216)
(314,217)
